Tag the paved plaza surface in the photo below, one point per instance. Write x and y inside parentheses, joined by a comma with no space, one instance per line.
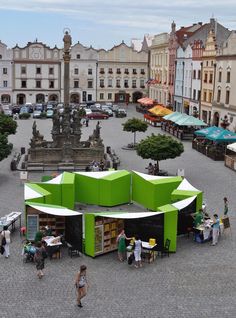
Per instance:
(199,280)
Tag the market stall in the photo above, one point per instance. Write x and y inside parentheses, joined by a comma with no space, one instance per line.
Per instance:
(61,220)
(10,220)
(230,156)
(153,191)
(105,188)
(102,229)
(155,115)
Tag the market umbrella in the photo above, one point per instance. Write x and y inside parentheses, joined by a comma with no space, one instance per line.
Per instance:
(205,131)
(190,121)
(174,116)
(232,147)
(177,117)
(159,110)
(222,136)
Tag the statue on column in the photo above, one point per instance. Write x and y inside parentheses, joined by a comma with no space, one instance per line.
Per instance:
(67,42)
(56,122)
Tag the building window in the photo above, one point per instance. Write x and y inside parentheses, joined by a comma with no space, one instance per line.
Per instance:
(51,70)
(4,70)
(110,71)
(102,83)
(134,71)
(227,97)
(194,74)
(142,83)
(51,84)
(90,71)
(142,71)
(0,56)
(76,84)
(38,84)
(90,84)
(199,74)
(118,83)
(204,96)
(134,84)
(210,97)
(205,77)
(126,83)
(76,71)
(211,78)
(109,96)
(110,82)
(199,95)
(220,77)
(38,70)
(78,56)
(4,83)
(23,70)
(228,77)
(90,97)
(194,94)
(206,63)
(218,95)
(126,71)
(102,71)
(118,71)
(101,95)
(23,84)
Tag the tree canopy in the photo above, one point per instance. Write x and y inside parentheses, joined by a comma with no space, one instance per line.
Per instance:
(7,127)
(133,125)
(159,147)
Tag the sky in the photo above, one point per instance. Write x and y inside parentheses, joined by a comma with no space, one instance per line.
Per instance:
(103,23)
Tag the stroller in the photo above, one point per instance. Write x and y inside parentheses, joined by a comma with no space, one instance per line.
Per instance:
(28,252)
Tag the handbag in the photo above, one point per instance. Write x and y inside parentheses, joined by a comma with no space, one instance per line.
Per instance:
(4,242)
(2,249)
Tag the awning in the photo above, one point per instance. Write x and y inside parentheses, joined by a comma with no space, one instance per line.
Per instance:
(30,193)
(206,131)
(145,101)
(184,203)
(175,116)
(98,174)
(128,215)
(53,209)
(190,121)
(232,147)
(159,110)
(222,136)
(56,180)
(186,186)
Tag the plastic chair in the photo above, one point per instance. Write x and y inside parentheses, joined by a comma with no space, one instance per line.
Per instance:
(73,250)
(166,249)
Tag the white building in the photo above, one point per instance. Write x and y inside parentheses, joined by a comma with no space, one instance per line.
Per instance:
(159,62)
(187,85)
(179,80)
(36,73)
(122,74)
(5,74)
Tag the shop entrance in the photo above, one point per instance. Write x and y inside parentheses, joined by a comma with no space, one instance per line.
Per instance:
(20,99)
(136,96)
(216,119)
(40,98)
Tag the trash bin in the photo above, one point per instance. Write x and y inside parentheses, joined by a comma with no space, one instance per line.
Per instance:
(13,165)
(22,150)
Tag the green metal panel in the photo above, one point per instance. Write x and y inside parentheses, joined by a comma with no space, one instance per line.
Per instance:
(142,191)
(55,190)
(89,234)
(45,194)
(170,225)
(87,189)
(178,195)
(68,190)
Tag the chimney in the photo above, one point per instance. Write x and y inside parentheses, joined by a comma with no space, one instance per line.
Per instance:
(200,23)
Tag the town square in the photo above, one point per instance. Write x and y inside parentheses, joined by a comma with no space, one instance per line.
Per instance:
(117,166)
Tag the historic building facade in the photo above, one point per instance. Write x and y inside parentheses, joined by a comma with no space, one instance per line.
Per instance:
(159,62)
(224,101)
(122,74)
(5,74)
(36,73)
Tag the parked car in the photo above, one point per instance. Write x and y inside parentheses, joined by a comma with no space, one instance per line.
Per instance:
(88,111)
(97,115)
(24,110)
(15,109)
(107,110)
(37,114)
(120,113)
(90,103)
(7,112)
(49,106)
(49,113)
(30,107)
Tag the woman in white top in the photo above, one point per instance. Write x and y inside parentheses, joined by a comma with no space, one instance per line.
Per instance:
(137,251)
(7,234)
(81,284)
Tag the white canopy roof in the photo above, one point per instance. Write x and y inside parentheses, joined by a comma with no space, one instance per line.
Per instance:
(29,193)
(53,209)
(185,185)
(98,174)
(132,215)
(232,147)
(149,177)
(56,180)
(183,203)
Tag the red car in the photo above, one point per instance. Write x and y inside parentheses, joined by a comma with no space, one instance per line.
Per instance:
(97,115)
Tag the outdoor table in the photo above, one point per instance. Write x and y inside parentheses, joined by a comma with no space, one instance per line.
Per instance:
(203,232)
(10,220)
(150,251)
(53,245)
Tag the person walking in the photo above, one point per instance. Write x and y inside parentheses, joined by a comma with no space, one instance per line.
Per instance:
(122,245)
(215,230)
(5,241)
(81,284)
(39,258)
(137,252)
(226,208)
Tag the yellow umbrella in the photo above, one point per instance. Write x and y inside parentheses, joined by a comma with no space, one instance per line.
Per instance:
(159,110)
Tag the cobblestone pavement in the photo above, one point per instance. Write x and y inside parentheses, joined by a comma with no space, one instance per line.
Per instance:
(197,281)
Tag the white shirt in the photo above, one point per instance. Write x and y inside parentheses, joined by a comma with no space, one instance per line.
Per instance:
(7,235)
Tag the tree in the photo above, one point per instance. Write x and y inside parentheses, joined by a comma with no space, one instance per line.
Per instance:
(159,147)
(7,127)
(133,125)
